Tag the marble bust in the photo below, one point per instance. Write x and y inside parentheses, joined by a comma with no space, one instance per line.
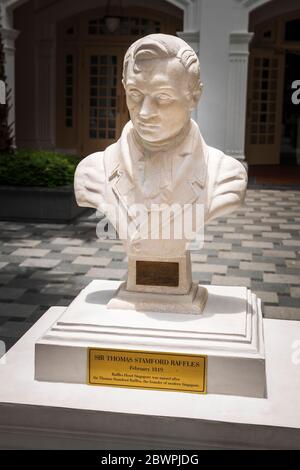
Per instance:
(159,161)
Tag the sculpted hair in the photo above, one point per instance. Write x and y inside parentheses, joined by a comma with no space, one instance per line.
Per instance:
(159,46)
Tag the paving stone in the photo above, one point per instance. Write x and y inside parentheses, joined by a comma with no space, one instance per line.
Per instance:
(273,220)
(67,241)
(11,293)
(40,263)
(280,235)
(288,301)
(209,268)
(282,313)
(235,255)
(40,299)
(289,227)
(239,221)
(198,258)
(257,228)
(267,297)
(281,278)
(257,216)
(282,269)
(202,278)
(231,281)
(50,275)
(220,228)
(118,265)
(268,267)
(291,242)
(118,248)
(16,310)
(278,254)
(3,264)
(13,329)
(24,243)
(293,264)
(92,260)
(257,244)
(6,278)
(28,252)
(252,274)
(79,250)
(295,291)
(218,246)
(106,273)
(238,236)
(71,269)
(283,289)
(232,263)
(64,289)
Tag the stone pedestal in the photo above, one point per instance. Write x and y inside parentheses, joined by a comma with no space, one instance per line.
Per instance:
(229,332)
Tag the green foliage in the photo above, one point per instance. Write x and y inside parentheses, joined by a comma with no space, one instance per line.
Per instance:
(37,168)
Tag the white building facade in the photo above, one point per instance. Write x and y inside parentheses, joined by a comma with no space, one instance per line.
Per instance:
(58,54)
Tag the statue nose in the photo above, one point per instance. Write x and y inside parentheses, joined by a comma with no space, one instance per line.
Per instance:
(148,108)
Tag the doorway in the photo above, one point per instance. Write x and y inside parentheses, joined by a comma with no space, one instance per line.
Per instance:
(104,105)
(290,144)
(272,129)
(91,106)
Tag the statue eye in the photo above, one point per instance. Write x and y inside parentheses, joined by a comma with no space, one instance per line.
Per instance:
(135,95)
(164,98)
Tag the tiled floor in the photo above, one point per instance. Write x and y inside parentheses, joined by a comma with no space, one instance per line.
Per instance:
(44,264)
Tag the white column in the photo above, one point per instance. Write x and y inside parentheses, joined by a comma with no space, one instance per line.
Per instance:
(191,34)
(192,39)
(45,99)
(237,94)
(9,36)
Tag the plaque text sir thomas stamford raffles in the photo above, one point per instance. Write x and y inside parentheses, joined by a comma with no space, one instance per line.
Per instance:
(149,370)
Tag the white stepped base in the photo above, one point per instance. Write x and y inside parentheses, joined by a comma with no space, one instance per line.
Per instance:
(45,415)
(193,302)
(229,332)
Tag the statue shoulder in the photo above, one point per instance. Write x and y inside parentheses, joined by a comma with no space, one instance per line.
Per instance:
(89,180)
(224,167)
(221,164)
(91,176)
(93,161)
(227,183)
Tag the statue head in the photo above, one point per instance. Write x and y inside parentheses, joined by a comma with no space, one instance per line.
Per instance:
(161,76)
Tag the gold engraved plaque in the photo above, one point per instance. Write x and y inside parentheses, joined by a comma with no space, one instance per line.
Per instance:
(147,370)
(157,273)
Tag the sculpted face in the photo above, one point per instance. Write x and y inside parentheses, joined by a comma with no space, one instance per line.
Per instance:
(158,98)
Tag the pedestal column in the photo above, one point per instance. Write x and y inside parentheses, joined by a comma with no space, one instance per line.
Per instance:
(237,94)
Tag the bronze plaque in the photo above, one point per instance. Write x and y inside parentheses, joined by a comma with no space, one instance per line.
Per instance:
(157,273)
(148,370)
